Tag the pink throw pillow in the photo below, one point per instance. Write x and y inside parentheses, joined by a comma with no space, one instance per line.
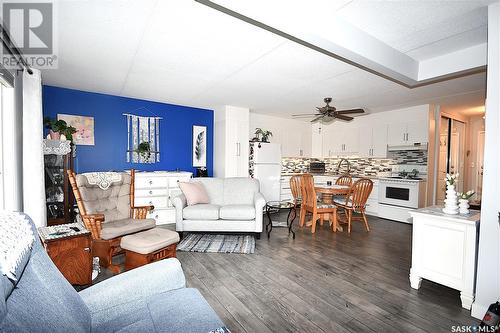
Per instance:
(194,192)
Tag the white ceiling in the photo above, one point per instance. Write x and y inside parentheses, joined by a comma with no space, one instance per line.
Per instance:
(421,29)
(182,52)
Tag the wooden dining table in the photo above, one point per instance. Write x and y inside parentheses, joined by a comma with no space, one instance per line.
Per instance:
(327,193)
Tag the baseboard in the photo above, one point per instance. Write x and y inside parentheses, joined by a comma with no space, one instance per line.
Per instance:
(478,310)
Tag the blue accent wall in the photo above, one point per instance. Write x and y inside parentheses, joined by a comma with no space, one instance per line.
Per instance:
(110,129)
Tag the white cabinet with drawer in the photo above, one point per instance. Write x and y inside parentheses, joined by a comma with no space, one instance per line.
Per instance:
(157,188)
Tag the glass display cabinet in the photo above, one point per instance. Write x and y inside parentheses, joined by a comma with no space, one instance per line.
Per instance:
(59,198)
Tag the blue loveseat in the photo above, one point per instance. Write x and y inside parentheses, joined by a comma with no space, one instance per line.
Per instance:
(152,298)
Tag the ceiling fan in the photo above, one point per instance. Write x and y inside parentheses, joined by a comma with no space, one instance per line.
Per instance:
(328,113)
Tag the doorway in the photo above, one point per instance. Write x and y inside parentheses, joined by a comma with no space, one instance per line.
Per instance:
(451,159)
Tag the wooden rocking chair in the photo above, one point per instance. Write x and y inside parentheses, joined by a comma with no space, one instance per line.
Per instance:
(109,214)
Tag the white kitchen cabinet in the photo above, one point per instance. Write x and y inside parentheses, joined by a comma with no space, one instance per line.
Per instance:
(407,133)
(373,141)
(294,142)
(231,142)
(417,132)
(158,188)
(329,140)
(305,144)
(316,140)
(341,139)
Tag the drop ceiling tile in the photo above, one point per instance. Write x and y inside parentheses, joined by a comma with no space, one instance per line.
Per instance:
(97,43)
(187,37)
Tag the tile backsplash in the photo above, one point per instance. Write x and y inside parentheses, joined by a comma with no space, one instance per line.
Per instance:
(403,160)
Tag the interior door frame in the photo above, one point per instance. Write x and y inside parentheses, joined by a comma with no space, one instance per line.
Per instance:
(479,160)
(438,117)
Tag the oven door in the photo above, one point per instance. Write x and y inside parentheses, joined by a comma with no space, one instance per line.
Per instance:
(403,194)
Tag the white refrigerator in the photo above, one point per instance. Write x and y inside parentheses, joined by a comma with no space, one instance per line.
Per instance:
(267,169)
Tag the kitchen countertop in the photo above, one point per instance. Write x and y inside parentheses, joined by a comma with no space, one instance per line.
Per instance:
(331,174)
(437,211)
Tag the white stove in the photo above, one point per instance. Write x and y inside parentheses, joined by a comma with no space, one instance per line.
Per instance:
(398,196)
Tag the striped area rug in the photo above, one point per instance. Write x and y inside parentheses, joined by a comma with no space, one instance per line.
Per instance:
(217,243)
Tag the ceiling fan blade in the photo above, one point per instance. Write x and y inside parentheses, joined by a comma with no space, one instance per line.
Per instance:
(317,118)
(350,111)
(305,114)
(346,118)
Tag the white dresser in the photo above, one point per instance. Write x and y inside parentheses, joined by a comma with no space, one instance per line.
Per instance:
(157,188)
(444,250)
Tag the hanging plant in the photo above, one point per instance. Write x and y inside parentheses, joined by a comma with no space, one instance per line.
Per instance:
(144,149)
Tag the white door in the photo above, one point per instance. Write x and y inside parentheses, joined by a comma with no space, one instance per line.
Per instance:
(269,176)
(379,141)
(233,152)
(396,134)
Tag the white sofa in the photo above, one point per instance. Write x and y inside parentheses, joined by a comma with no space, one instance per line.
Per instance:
(236,205)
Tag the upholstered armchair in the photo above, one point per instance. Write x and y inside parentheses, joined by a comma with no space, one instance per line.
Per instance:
(106,204)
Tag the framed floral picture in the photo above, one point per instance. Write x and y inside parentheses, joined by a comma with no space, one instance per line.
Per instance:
(84,128)
(199,146)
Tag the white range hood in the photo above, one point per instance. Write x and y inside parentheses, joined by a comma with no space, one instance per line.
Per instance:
(415,146)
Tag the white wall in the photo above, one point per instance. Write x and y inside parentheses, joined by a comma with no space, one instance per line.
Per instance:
(488,267)
(293,135)
(419,112)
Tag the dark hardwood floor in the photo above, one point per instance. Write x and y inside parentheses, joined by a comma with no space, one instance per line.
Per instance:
(324,282)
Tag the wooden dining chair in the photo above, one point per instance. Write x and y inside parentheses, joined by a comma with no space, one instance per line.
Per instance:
(296,194)
(344,180)
(296,190)
(310,204)
(355,202)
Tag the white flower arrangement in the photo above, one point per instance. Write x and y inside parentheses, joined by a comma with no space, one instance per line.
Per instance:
(451,178)
(466,195)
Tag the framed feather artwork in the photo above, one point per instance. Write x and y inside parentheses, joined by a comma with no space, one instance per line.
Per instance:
(199,146)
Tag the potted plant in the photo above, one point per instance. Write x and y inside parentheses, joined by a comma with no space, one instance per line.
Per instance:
(463,201)
(266,135)
(144,149)
(57,128)
(258,133)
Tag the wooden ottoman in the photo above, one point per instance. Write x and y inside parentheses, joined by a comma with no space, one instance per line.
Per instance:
(148,246)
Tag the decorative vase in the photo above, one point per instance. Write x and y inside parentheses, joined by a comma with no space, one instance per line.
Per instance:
(450,203)
(463,205)
(54,135)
